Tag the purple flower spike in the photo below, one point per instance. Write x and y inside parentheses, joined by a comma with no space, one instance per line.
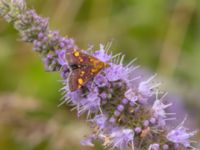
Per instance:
(122,112)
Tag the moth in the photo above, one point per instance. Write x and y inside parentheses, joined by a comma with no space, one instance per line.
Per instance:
(83,67)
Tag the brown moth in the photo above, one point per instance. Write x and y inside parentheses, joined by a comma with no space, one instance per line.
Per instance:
(83,67)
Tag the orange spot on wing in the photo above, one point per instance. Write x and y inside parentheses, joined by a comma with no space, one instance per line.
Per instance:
(80,81)
(76,54)
(82,73)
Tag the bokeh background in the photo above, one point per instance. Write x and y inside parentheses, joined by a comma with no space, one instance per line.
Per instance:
(163,34)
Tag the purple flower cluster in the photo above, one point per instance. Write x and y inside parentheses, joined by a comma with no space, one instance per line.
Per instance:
(10,9)
(49,44)
(118,103)
(34,29)
(120,112)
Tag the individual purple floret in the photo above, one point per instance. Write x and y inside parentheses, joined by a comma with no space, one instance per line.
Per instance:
(181,135)
(154,147)
(100,54)
(88,141)
(122,139)
(101,81)
(138,130)
(165,147)
(159,111)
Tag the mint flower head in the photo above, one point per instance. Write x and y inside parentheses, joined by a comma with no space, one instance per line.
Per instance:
(121,112)
(125,111)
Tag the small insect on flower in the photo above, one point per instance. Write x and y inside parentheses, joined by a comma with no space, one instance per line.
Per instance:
(83,67)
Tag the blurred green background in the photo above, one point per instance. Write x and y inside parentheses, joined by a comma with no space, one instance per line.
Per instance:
(163,34)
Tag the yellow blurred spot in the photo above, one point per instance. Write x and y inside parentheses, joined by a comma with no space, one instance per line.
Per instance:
(80,81)
(82,73)
(94,70)
(76,54)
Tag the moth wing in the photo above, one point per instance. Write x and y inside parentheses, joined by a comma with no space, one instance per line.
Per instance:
(73,80)
(72,59)
(89,66)
(88,60)
(78,78)
(80,58)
